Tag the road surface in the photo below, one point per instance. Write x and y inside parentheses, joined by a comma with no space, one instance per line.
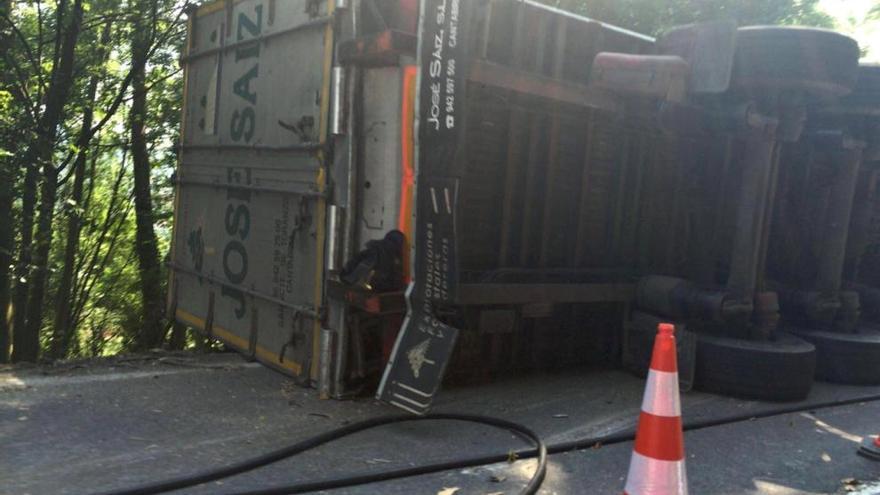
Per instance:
(84,428)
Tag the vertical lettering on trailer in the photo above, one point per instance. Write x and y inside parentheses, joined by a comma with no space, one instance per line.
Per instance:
(242,126)
(425,344)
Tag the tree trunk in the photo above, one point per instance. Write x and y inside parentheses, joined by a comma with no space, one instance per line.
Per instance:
(7,236)
(152,329)
(38,155)
(62,328)
(7,183)
(42,245)
(177,341)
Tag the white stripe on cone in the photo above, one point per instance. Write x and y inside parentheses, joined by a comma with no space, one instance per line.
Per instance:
(655,477)
(661,394)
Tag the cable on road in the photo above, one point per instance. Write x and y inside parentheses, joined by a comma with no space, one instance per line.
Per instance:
(541,451)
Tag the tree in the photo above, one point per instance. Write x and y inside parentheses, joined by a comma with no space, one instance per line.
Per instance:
(53,87)
(62,327)
(39,156)
(152,330)
(7,176)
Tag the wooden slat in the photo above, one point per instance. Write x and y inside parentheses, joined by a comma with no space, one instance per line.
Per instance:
(551,293)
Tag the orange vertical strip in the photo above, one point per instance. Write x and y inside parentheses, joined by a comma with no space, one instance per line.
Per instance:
(407,161)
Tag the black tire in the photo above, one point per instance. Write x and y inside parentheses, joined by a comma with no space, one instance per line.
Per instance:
(816,61)
(850,358)
(777,370)
(867,92)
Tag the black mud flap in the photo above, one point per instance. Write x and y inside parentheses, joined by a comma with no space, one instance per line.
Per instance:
(424,345)
(418,362)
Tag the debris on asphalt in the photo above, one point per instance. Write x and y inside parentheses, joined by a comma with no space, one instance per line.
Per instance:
(859,487)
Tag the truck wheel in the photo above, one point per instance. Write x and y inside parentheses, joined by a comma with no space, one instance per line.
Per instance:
(851,358)
(780,369)
(819,62)
(867,92)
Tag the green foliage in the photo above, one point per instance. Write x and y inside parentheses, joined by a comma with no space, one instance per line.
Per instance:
(653,16)
(105,302)
(6,119)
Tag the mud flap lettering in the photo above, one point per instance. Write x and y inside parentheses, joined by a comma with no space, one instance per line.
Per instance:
(418,362)
(425,344)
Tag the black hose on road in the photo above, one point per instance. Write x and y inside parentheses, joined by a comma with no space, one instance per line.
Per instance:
(540,451)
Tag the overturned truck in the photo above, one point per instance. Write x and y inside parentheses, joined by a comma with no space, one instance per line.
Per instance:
(372,195)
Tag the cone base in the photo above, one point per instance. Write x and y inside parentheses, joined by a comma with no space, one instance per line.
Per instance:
(869,450)
(647,476)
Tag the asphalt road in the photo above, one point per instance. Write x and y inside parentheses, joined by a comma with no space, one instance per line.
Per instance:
(85,429)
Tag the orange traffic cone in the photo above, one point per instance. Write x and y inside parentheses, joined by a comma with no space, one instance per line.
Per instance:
(657,465)
(870,448)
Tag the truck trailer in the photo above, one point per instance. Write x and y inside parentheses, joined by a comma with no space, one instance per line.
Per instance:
(374,195)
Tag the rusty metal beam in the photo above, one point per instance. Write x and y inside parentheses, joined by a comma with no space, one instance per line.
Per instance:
(620,195)
(586,182)
(536,132)
(533,160)
(751,205)
(768,218)
(672,229)
(835,230)
(552,170)
(632,232)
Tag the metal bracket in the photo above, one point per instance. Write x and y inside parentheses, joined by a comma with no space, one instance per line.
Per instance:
(252,337)
(250,188)
(225,47)
(337,118)
(295,335)
(172,304)
(303,147)
(308,310)
(209,319)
